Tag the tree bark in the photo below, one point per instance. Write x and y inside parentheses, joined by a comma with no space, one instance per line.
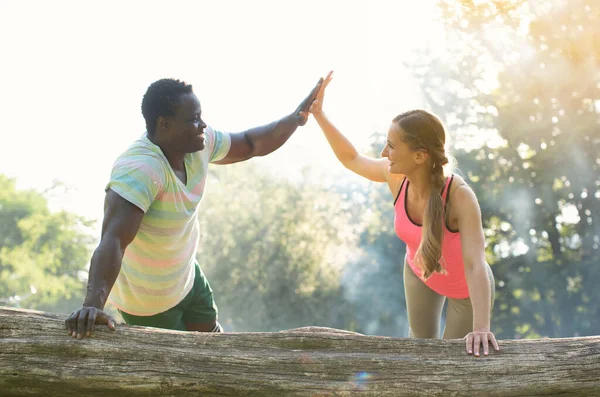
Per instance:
(37,357)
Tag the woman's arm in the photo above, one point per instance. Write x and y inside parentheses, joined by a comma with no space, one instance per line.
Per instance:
(370,168)
(473,249)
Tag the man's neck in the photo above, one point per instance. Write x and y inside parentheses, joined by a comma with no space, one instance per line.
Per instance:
(175,159)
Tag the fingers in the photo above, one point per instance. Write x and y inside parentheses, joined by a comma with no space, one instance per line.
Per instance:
(325,84)
(486,344)
(321,93)
(328,79)
(494,342)
(469,340)
(311,97)
(316,95)
(71,322)
(313,94)
(112,324)
(91,320)
(104,318)
(81,323)
(476,344)
(315,107)
(474,340)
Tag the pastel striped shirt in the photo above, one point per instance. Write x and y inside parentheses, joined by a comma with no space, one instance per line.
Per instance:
(157,270)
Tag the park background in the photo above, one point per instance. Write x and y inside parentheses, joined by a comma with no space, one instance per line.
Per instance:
(294,239)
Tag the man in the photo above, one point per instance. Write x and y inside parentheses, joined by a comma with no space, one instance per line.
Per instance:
(147,251)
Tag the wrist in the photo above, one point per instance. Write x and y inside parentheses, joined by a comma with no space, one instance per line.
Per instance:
(291,119)
(319,116)
(94,299)
(94,305)
(481,328)
(97,305)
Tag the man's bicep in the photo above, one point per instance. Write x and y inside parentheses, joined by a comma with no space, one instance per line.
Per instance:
(240,149)
(122,219)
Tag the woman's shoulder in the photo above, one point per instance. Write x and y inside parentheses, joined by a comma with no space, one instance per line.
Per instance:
(457,182)
(461,192)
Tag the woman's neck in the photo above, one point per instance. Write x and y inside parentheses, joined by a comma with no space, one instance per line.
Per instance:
(420,184)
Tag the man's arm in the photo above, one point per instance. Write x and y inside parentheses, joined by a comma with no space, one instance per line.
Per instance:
(260,141)
(119,227)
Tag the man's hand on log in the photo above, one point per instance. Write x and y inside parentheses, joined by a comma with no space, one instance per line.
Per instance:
(482,337)
(81,322)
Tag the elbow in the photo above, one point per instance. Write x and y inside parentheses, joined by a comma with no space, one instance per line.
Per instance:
(348,160)
(475,268)
(347,164)
(251,149)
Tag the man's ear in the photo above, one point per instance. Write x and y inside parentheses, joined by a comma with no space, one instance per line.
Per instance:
(162,122)
(421,156)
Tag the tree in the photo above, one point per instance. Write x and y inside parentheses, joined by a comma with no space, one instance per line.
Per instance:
(526,74)
(273,250)
(309,361)
(43,254)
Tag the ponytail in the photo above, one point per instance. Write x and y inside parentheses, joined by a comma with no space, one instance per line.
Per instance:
(429,253)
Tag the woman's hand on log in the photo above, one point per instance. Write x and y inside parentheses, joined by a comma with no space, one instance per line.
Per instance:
(477,338)
(81,322)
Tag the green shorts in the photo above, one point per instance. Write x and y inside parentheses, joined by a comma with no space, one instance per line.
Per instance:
(196,308)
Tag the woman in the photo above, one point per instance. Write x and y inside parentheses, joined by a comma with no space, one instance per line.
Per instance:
(438,218)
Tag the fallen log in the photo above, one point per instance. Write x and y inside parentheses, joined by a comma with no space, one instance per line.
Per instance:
(37,357)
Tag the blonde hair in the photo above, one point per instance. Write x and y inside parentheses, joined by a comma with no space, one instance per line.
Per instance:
(424,131)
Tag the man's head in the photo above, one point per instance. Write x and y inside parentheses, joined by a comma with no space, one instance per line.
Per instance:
(173,116)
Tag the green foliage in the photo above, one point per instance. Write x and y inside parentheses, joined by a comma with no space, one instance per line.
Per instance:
(526,73)
(42,254)
(273,251)
(373,282)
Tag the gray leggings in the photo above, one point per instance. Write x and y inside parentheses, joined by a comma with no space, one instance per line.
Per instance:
(425,306)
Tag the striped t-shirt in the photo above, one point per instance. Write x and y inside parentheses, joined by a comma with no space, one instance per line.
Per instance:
(157,270)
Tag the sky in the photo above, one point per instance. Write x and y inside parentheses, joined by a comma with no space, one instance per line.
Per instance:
(74,72)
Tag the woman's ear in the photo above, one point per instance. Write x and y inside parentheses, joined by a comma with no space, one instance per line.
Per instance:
(421,156)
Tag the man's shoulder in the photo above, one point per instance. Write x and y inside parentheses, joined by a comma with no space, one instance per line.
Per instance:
(142,146)
(142,151)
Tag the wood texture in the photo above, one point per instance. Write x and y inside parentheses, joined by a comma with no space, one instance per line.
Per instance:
(37,357)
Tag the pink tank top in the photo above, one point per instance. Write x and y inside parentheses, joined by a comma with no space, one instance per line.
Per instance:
(454,284)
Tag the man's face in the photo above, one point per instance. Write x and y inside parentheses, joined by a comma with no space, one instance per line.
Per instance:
(184,132)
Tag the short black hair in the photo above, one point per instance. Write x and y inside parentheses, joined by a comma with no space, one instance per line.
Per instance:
(162,99)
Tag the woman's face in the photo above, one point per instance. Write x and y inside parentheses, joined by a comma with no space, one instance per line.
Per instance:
(402,159)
